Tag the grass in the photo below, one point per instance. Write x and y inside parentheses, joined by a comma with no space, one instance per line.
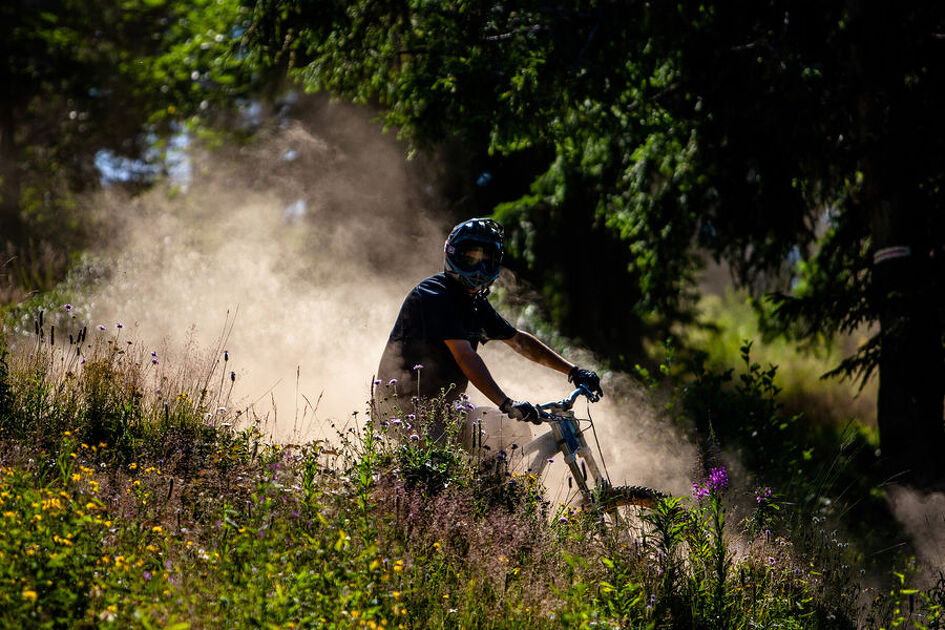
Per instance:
(134,496)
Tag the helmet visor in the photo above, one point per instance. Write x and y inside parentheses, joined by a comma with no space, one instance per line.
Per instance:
(470,256)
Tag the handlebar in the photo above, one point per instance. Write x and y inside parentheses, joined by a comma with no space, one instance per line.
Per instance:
(566,403)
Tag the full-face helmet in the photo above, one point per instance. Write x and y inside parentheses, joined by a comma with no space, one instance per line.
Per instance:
(473,253)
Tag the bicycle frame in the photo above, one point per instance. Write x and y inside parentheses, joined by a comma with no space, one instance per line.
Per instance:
(567,438)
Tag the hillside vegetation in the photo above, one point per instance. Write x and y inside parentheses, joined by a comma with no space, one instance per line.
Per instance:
(130,505)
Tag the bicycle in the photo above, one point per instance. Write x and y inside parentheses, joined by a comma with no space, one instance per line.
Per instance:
(567,437)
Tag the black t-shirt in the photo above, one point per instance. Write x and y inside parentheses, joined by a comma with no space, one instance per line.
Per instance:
(437,309)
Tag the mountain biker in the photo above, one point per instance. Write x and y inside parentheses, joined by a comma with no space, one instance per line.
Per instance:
(442,321)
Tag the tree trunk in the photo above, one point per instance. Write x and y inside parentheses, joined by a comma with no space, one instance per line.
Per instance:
(10,222)
(912,361)
(911,373)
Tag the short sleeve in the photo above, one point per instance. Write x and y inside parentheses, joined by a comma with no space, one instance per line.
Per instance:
(494,325)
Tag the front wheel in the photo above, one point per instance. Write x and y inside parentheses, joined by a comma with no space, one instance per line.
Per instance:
(613,497)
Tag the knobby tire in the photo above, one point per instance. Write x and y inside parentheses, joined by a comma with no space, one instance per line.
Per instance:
(638,496)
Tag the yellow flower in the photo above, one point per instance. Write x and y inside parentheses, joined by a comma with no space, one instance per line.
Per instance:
(157,529)
(436,546)
(398,566)
(76,477)
(29,595)
(396,594)
(132,466)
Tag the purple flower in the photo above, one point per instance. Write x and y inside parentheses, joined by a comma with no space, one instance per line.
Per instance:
(154,361)
(101,327)
(417,367)
(119,325)
(718,479)
(762,494)
(715,484)
(68,307)
(146,575)
(377,381)
(392,381)
(415,437)
(396,421)
(411,417)
(153,353)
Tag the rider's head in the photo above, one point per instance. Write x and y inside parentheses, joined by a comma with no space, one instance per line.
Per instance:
(473,253)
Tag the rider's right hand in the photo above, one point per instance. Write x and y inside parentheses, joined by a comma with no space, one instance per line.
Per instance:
(523,411)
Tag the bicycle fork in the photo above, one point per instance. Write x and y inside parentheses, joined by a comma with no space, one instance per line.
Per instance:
(566,438)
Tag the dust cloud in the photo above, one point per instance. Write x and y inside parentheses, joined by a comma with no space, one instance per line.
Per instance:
(306,243)
(922,516)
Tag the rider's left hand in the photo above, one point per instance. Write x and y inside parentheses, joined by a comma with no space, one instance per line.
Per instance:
(587,378)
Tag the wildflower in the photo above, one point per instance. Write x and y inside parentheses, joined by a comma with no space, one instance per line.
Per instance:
(67,307)
(29,595)
(718,479)
(119,325)
(396,421)
(101,327)
(411,417)
(415,437)
(157,529)
(392,382)
(146,575)
(417,367)
(762,494)
(398,566)
(377,381)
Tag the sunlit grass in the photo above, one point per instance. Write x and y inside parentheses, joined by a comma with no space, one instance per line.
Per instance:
(133,500)
(726,322)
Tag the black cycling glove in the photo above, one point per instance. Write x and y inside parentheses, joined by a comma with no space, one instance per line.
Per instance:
(587,378)
(522,411)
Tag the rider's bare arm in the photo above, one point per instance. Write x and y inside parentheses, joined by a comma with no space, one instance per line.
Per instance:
(475,369)
(530,347)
